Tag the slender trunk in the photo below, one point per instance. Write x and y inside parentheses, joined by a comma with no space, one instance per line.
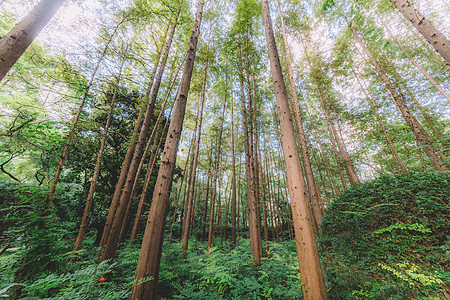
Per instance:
(233,182)
(414,62)
(332,138)
(322,151)
(313,192)
(397,160)
(436,39)
(238,200)
(77,116)
(264,216)
(216,171)
(157,141)
(421,136)
(186,165)
(113,239)
(254,232)
(313,283)
(90,198)
(189,204)
(150,254)
(15,42)
(126,162)
(351,172)
(208,184)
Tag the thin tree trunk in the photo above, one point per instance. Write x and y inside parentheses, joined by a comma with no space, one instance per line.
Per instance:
(186,165)
(254,231)
(353,176)
(90,198)
(414,62)
(397,160)
(322,151)
(263,191)
(436,39)
(313,283)
(313,192)
(126,162)
(205,208)
(158,141)
(192,176)
(15,42)
(119,217)
(65,151)
(421,136)
(233,182)
(150,254)
(216,171)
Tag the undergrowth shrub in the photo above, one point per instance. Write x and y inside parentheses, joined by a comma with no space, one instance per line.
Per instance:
(388,239)
(227,273)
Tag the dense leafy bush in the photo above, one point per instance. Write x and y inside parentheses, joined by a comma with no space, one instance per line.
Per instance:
(388,239)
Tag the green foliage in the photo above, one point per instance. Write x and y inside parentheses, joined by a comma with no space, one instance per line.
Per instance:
(387,237)
(227,273)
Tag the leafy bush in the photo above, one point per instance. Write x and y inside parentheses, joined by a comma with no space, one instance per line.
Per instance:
(386,238)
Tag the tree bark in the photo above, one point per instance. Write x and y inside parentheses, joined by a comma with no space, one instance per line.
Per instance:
(192,176)
(127,161)
(147,270)
(254,231)
(313,283)
(233,182)
(436,39)
(113,239)
(15,42)
(398,161)
(158,142)
(316,199)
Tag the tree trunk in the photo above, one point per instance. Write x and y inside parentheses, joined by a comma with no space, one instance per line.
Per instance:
(147,269)
(233,182)
(398,161)
(205,208)
(313,283)
(190,197)
(351,172)
(254,231)
(111,246)
(65,151)
(15,42)
(216,174)
(157,141)
(126,162)
(90,198)
(264,209)
(421,136)
(439,42)
(186,165)
(313,192)
(414,62)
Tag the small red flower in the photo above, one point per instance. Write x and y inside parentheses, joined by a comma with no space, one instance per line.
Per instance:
(102,279)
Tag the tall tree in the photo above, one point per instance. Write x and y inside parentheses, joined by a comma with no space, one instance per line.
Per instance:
(310,270)
(147,270)
(193,173)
